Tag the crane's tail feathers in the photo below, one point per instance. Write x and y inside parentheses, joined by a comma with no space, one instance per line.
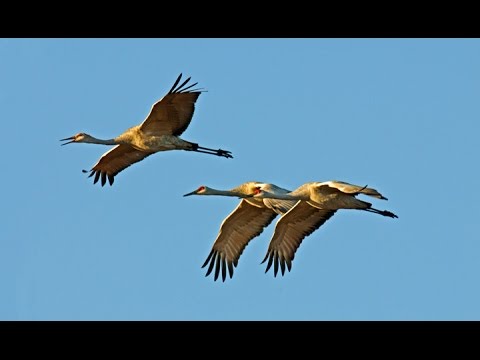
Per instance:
(371,192)
(363,188)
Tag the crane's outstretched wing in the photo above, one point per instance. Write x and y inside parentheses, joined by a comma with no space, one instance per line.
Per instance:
(115,160)
(335,186)
(172,114)
(299,222)
(242,225)
(279,206)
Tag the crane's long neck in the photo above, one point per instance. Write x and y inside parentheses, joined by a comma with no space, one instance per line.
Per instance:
(288,196)
(226,193)
(94,140)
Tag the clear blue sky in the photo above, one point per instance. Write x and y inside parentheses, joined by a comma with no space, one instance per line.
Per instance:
(401,115)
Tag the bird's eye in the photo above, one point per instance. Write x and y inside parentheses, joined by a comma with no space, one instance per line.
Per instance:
(257,190)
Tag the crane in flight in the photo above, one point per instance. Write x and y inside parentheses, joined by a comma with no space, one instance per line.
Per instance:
(244,223)
(160,131)
(318,202)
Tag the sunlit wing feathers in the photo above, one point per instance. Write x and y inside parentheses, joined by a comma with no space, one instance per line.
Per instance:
(290,230)
(242,225)
(279,206)
(114,161)
(329,187)
(172,114)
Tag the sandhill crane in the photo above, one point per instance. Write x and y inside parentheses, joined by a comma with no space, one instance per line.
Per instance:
(318,202)
(160,131)
(244,223)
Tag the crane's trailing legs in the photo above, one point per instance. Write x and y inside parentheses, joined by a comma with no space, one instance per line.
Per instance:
(219,152)
(382,212)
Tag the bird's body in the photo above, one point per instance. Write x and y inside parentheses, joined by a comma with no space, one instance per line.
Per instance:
(160,131)
(317,202)
(244,223)
(333,195)
(147,142)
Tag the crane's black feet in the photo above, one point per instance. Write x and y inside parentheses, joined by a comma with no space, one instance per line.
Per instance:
(225,153)
(219,152)
(389,214)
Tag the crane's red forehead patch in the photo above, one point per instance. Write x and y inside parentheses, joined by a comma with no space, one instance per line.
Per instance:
(257,190)
(201,188)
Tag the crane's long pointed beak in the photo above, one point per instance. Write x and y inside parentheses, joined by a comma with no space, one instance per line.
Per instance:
(72,138)
(191,193)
